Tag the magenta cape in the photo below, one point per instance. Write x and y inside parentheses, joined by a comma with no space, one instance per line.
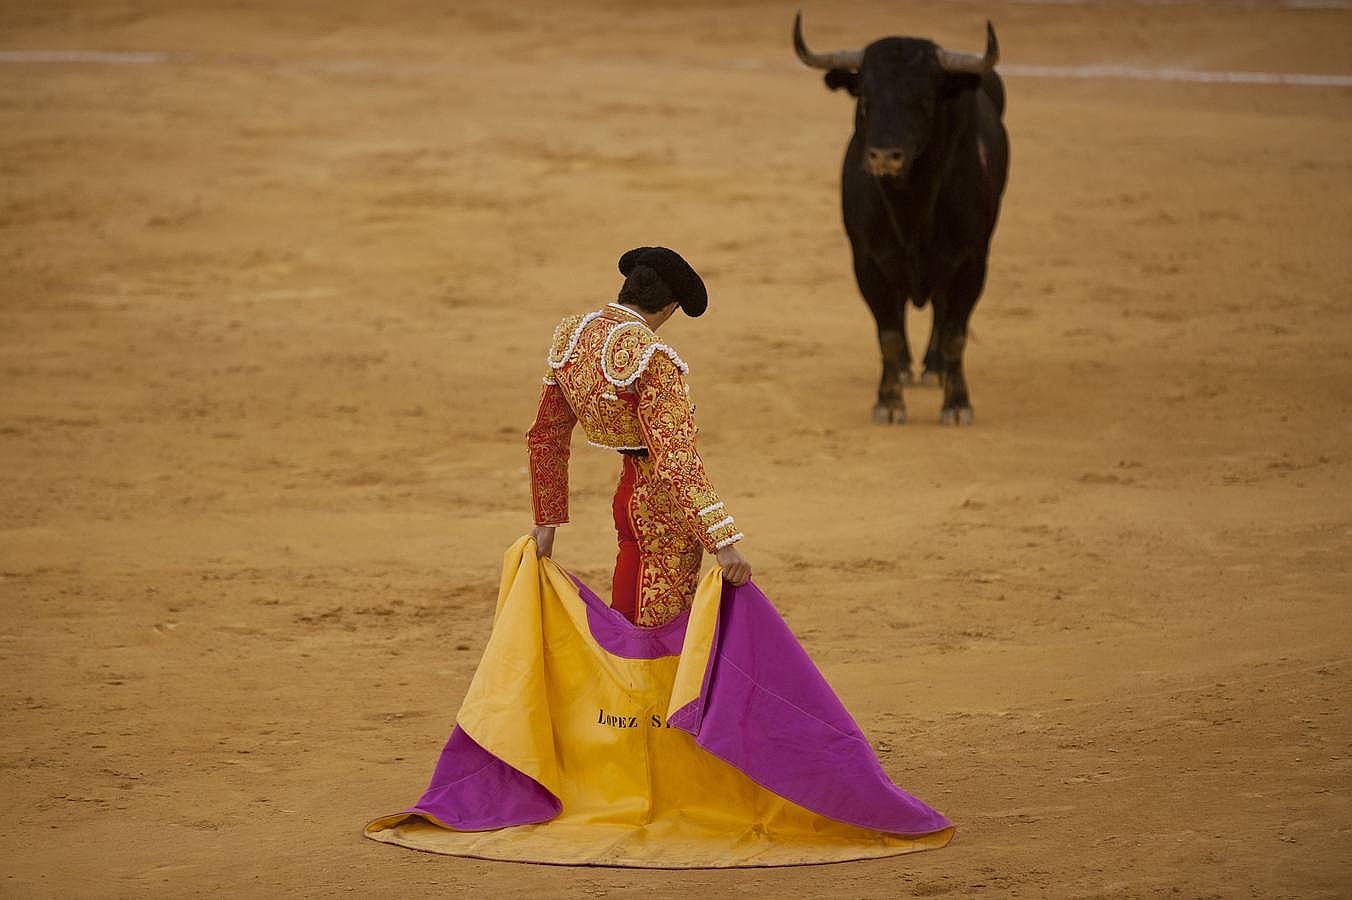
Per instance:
(753,700)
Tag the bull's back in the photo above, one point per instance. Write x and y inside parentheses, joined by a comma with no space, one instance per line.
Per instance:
(993,86)
(993,140)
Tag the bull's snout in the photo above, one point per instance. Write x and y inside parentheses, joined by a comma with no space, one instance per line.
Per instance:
(884,161)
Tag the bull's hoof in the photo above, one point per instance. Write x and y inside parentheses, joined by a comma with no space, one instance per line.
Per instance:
(931,378)
(908,377)
(889,415)
(956,415)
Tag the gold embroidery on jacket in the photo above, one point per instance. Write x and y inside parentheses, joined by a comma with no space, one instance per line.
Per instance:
(668,423)
(608,371)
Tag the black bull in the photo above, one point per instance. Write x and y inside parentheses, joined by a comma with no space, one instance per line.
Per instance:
(920,191)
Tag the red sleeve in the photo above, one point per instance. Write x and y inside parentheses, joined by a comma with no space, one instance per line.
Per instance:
(548,444)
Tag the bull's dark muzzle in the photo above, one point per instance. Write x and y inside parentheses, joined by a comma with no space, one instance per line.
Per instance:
(884,161)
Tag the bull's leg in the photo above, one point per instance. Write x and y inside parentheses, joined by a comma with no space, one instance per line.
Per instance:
(934,357)
(961,299)
(888,308)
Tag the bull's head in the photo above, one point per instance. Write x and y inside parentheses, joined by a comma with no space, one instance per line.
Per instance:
(899,83)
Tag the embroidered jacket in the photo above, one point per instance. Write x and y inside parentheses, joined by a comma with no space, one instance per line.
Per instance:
(609,371)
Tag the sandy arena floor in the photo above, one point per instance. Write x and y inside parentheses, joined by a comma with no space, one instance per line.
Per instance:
(273,314)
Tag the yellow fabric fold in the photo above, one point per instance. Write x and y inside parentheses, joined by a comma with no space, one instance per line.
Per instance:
(699,641)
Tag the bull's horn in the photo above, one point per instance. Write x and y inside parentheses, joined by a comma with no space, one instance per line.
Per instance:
(841,59)
(970,62)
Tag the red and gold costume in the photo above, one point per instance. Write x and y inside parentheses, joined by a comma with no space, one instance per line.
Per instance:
(610,372)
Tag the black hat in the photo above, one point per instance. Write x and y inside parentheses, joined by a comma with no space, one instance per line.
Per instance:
(686,287)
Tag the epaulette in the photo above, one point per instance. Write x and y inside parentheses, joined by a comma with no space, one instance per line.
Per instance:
(627,351)
(565,339)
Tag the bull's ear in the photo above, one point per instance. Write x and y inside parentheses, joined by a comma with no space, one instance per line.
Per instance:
(843,78)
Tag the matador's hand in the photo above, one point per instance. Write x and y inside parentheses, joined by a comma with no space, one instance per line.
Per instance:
(544,539)
(736,570)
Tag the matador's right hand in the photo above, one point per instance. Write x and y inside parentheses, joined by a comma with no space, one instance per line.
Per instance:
(544,539)
(736,570)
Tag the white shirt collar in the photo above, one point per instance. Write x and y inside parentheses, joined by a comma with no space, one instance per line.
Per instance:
(628,312)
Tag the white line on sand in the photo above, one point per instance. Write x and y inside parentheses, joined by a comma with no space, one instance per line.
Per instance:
(1130,73)
(1140,73)
(82,56)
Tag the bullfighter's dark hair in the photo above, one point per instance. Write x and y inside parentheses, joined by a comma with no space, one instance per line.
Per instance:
(655,276)
(645,289)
